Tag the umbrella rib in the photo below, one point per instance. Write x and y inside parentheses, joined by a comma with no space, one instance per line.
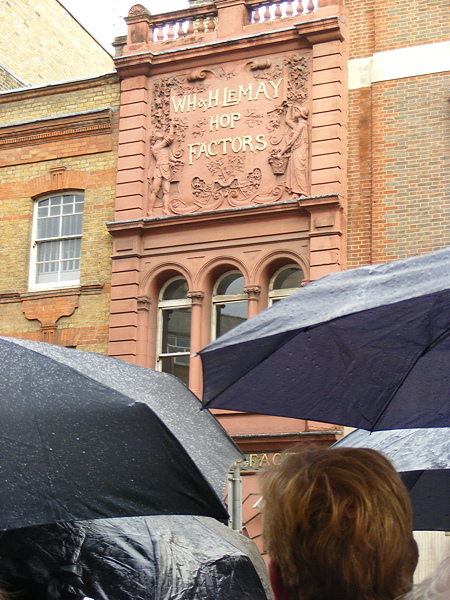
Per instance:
(434,343)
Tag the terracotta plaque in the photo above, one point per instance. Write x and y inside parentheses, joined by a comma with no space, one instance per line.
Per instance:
(229,136)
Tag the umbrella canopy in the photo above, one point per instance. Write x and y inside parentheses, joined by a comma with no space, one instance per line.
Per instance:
(134,558)
(422,456)
(368,348)
(84,436)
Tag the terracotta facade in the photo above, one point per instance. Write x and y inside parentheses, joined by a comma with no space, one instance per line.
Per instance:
(232,159)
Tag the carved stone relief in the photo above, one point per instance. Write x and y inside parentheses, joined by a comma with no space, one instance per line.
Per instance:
(237,135)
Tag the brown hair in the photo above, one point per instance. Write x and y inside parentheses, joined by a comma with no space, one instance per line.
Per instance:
(338,523)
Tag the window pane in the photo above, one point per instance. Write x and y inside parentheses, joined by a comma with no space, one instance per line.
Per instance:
(71,225)
(43,208)
(48,267)
(228,315)
(291,277)
(55,206)
(176,330)
(48,228)
(79,204)
(71,248)
(70,270)
(178,366)
(232,283)
(176,290)
(48,251)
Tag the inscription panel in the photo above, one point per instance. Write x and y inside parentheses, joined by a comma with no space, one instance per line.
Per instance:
(234,135)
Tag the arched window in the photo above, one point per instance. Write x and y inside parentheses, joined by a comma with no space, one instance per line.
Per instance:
(229,303)
(284,282)
(174,329)
(56,244)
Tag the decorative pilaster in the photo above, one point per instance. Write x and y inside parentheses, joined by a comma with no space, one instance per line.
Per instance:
(195,368)
(253,292)
(142,343)
(143,303)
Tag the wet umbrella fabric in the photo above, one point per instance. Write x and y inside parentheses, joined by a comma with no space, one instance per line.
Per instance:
(84,436)
(367,348)
(422,456)
(134,558)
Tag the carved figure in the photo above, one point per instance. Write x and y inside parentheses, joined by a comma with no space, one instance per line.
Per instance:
(161,176)
(297,180)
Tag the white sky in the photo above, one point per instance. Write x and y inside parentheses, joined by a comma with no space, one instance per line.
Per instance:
(104,18)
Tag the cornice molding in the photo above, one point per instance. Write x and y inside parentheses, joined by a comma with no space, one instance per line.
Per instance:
(303,204)
(47,130)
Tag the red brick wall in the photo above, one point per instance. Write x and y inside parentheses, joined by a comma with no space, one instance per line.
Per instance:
(398,137)
(411,140)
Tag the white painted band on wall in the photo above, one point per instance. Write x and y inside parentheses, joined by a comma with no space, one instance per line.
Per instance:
(399,63)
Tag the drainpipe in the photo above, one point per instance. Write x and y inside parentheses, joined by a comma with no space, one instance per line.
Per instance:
(235,498)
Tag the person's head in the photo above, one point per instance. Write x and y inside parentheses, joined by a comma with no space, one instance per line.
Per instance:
(337,524)
(304,112)
(157,135)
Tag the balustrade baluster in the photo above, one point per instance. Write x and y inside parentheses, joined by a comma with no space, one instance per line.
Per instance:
(171,30)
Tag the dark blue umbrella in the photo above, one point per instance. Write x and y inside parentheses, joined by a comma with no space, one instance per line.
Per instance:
(368,348)
(422,457)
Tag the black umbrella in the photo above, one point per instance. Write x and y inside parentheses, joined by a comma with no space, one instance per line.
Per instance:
(134,558)
(84,436)
(368,347)
(422,456)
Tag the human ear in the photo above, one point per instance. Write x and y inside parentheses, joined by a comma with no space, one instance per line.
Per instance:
(280,591)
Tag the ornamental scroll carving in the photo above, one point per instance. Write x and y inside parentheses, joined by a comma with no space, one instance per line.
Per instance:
(233,136)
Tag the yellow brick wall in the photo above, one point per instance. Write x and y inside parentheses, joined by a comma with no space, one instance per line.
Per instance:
(41,43)
(89,321)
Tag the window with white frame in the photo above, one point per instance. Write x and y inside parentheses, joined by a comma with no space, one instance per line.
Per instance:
(230,303)
(285,282)
(174,329)
(56,248)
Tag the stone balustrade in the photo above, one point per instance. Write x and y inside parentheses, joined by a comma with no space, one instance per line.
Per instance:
(270,11)
(184,23)
(196,22)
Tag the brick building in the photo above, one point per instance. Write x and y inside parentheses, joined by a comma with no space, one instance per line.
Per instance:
(398,176)
(57,177)
(42,43)
(216,231)
(206,224)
